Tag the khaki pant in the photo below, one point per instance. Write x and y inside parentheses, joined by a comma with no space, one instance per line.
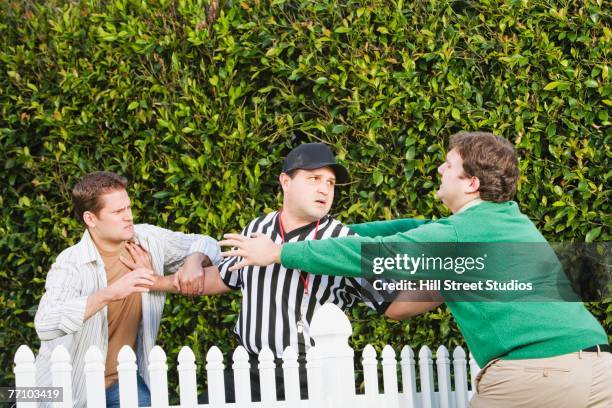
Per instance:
(580,380)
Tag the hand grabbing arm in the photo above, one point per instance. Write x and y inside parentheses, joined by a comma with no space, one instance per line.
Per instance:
(138,280)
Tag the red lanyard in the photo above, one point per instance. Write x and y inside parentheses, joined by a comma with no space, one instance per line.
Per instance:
(305,280)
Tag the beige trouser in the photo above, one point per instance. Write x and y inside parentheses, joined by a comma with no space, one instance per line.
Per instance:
(578,380)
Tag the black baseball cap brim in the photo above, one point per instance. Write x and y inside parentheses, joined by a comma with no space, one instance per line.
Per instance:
(310,156)
(342,174)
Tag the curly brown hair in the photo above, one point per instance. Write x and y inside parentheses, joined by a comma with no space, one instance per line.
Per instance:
(87,191)
(492,159)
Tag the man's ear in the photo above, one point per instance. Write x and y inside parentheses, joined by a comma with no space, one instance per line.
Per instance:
(474,185)
(90,219)
(284,181)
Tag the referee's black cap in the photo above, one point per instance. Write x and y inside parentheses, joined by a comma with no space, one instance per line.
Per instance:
(309,156)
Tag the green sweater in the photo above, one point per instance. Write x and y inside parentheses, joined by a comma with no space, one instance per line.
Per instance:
(509,330)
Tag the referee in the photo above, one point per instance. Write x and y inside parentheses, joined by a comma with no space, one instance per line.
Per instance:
(278,303)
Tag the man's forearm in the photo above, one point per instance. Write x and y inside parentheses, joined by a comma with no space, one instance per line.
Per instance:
(402,310)
(213,284)
(96,301)
(197,257)
(164,284)
(189,278)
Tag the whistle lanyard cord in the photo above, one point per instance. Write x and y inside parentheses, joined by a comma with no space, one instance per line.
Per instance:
(305,280)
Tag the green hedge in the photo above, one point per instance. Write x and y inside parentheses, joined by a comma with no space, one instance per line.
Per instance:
(199,115)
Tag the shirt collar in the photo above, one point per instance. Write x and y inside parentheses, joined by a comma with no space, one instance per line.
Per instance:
(88,252)
(87,249)
(308,227)
(470,204)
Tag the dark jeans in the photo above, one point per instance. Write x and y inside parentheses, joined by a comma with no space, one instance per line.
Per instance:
(228,374)
(144,396)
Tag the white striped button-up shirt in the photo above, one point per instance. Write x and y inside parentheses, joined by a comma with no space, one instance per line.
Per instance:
(77,273)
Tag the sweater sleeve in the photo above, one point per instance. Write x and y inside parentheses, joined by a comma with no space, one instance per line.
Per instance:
(385,228)
(342,256)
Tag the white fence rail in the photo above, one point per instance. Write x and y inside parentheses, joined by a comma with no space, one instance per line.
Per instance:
(329,366)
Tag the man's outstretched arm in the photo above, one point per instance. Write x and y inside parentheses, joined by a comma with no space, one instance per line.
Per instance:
(404,308)
(386,228)
(209,282)
(332,256)
(212,283)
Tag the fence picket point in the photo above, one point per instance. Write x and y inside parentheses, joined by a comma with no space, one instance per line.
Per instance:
(267,375)
(331,329)
(291,376)
(242,377)
(460,369)
(370,372)
(389,364)
(127,371)
(158,375)
(61,373)
(216,380)
(443,370)
(426,373)
(315,377)
(25,372)
(94,378)
(409,376)
(188,388)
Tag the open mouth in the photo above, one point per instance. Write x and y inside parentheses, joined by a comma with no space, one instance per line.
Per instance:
(322,202)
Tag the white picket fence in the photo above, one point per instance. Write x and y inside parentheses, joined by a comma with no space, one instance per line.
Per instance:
(329,366)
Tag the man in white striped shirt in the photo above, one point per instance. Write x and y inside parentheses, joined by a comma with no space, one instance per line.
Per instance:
(278,304)
(108,290)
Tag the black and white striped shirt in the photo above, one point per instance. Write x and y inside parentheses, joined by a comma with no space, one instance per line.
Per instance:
(276,312)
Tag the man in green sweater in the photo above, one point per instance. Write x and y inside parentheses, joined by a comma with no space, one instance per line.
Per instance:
(533,354)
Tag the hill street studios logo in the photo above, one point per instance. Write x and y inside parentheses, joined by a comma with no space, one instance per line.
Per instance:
(467,271)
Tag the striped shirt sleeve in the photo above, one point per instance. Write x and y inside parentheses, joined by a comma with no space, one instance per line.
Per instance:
(233,279)
(177,246)
(62,307)
(363,290)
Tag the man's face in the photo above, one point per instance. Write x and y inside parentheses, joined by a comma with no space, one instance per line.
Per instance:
(114,222)
(454,184)
(310,193)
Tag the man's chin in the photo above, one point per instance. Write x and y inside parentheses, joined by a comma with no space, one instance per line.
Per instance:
(317,215)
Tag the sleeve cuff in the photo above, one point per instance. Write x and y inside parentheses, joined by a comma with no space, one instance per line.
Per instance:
(209,247)
(291,253)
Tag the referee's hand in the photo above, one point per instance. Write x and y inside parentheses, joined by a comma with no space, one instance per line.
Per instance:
(257,250)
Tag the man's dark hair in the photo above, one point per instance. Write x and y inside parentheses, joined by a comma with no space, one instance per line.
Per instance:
(87,192)
(492,159)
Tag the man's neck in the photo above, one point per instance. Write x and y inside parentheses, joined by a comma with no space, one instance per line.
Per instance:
(105,247)
(465,204)
(291,221)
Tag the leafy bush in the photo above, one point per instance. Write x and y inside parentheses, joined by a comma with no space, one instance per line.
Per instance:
(198,113)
